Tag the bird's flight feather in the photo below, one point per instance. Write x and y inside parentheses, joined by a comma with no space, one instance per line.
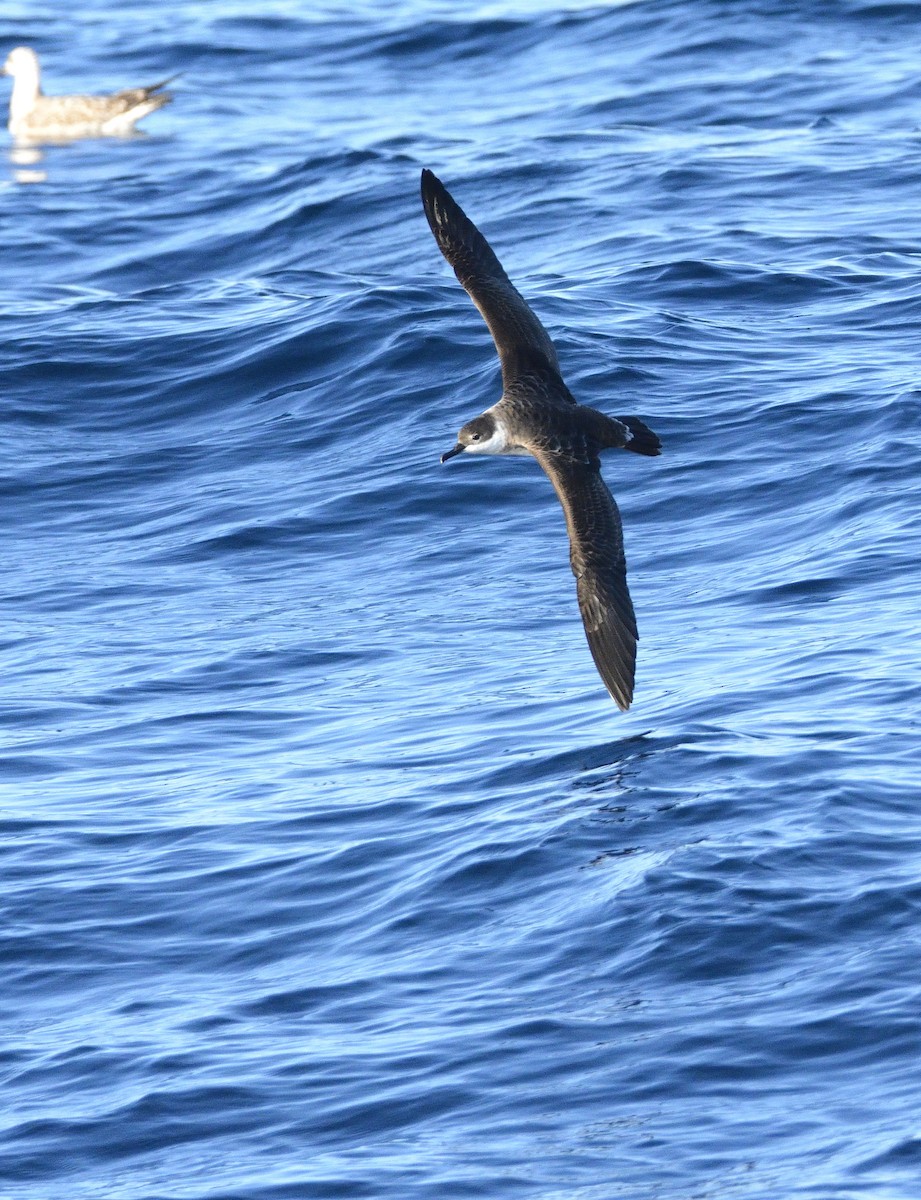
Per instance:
(520,338)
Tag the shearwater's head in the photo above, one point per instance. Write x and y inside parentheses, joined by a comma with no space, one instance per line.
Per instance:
(482,435)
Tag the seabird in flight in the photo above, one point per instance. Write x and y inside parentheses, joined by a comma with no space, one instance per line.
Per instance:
(538,415)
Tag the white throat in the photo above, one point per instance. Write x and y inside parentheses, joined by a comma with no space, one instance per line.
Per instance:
(499,443)
(494,445)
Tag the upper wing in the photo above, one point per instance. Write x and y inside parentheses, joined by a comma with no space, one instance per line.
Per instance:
(520,338)
(78,109)
(596,551)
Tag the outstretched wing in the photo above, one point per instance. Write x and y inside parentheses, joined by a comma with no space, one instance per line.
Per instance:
(596,551)
(521,340)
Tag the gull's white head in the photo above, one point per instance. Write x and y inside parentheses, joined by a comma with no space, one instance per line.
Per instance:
(22,63)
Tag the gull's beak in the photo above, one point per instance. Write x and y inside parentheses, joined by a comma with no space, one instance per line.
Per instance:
(458,449)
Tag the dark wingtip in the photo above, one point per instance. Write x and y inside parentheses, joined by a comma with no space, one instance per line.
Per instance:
(612,642)
(441,210)
(644,441)
(617,677)
(429,183)
(156,87)
(616,670)
(434,195)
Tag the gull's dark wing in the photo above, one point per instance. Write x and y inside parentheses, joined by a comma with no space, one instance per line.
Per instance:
(596,551)
(521,340)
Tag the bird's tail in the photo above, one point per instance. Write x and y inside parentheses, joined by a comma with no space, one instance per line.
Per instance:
(643,441)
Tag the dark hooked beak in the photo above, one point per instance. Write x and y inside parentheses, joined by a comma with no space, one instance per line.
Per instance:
(458,449)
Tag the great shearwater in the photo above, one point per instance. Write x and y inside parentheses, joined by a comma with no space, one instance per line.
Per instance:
(35,117)
(538,415)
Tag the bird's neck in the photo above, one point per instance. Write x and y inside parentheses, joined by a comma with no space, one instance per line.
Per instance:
(26,90)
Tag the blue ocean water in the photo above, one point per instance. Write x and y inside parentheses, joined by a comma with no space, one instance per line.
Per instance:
(329,869)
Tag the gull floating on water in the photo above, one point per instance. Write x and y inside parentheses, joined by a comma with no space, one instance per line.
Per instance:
(35,117)
(538,415)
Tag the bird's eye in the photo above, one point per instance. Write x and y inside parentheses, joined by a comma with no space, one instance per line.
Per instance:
(476,437)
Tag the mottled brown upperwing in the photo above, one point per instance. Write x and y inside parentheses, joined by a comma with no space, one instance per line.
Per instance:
(102,108)
(521,340)
(596,552)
